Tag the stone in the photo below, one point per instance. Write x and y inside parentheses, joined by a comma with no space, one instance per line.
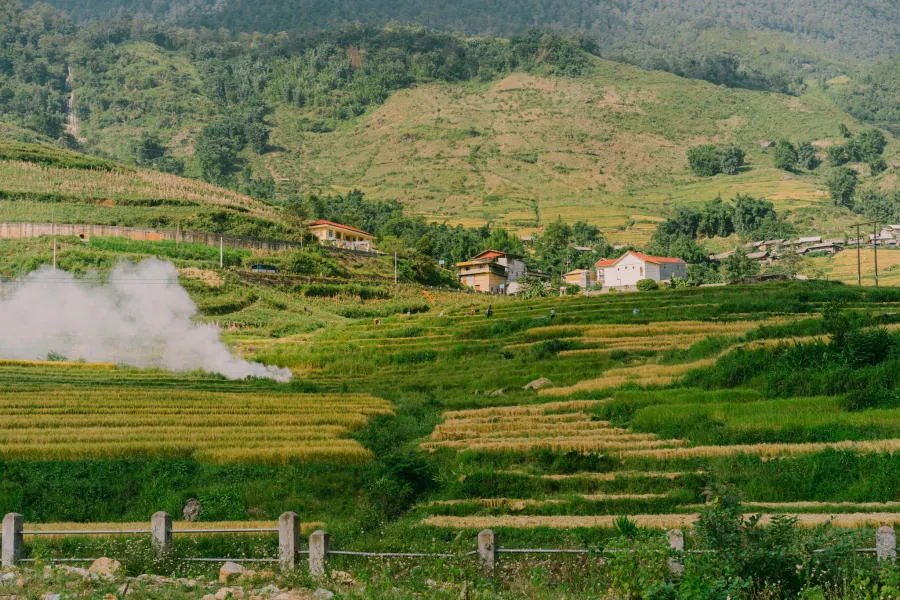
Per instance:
(322,594)
(266,574)
(229,572)
(208,597)
(499,392)
(105,567)
(269,590)
(229,592)
(293,595)
(343,578)
(7,577)
(191,509)
(537,384)
(51,596)
(77,571)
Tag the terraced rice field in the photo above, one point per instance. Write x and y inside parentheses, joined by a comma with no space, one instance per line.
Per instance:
(628,437)
(653,399)
(656,521)
(558,426)
(214,427)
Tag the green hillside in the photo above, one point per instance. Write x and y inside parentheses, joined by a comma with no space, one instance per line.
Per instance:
(608,147)
(40,183)
(514,131)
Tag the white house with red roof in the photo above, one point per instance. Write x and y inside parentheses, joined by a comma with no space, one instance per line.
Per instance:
(624,272)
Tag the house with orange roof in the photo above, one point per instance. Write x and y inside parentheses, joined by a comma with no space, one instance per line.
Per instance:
(600,269)
(624,272)
(341,236)
(491,271)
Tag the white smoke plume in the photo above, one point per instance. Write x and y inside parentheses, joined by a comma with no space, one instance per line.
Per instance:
(140,317)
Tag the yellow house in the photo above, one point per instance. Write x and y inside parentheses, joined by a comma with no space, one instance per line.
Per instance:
(583,278)
(342,236)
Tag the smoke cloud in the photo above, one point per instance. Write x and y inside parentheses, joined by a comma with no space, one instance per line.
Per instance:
(140,317)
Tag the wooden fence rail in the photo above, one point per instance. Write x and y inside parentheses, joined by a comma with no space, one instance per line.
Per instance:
(319,549)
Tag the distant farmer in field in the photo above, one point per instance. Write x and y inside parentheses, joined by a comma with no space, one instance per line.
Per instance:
(552,312)
(490,310)
(377,322)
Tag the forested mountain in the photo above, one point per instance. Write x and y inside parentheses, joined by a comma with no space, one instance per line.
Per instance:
(863,29)
(516,130)
(871,95)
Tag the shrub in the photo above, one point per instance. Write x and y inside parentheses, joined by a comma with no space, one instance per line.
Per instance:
(647,285)
(705,160)
(785,156)
(638,562)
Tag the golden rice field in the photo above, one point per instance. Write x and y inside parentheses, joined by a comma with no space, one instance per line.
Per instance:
(69,528)
(559,426)
(646,374)
(658,521)
(843,266)
(518,504)
(209,426)
(766,450)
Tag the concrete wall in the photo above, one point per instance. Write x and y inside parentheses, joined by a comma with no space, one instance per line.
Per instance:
(514,268)
(669,270)
(631,269)
(626,273)
(12,231)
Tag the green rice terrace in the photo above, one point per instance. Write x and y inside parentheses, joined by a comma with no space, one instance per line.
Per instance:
(410,423)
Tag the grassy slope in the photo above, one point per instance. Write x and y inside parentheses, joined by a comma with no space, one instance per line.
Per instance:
(41,184)
(608,148)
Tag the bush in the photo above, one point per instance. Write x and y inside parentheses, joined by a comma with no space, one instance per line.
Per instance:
(705,160)
(647,285)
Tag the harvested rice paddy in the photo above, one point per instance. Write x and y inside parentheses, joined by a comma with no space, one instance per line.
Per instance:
(558,426)
(660,521)
(213,427)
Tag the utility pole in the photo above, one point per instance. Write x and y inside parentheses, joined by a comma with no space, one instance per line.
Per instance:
(221,252)
(875,248)
(53,233)
(395,267)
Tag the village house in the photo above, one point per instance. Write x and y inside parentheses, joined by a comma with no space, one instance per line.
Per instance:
(341,236)
(600,269)
(631,267)
(583,278)
(491,271)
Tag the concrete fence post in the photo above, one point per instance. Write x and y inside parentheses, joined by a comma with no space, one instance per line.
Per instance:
(319,545)
(676,544)
(289,540)
(487,549)
(161,532)
(12,544)
(885,543)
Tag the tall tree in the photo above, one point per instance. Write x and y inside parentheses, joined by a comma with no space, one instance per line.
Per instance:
(841,184)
